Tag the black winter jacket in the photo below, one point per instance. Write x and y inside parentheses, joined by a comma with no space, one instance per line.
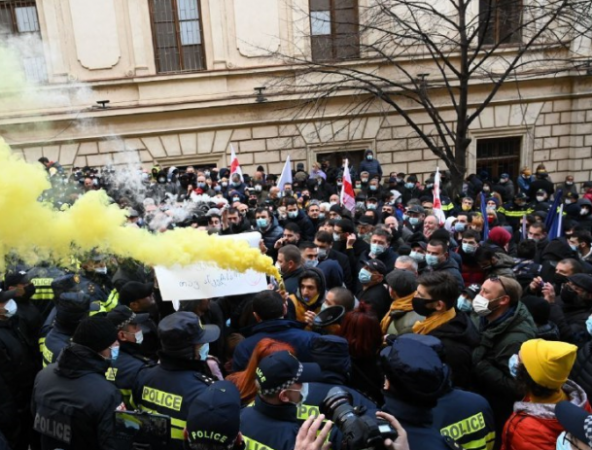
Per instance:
(73,404)
(459,337)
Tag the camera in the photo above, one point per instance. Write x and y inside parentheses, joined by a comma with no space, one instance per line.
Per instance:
(359,431)
(140,430)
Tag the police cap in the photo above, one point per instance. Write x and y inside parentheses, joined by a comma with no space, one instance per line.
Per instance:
(281,370)
(183,329)
(132,291)
(15,278)
(73,302)
(122,315)
(214,416)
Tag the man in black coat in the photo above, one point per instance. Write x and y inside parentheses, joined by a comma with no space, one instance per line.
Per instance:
(73,403)
(437,294)
(18,366)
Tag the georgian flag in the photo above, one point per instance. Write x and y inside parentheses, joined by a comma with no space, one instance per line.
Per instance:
(234,165)
(437,209)
(348,196)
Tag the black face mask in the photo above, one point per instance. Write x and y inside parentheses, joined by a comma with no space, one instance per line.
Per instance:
(419,306)
(559,279)
(568,295)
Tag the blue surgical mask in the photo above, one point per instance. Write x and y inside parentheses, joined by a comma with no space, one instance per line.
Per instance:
(322,253)
(369,157)
(114,353)
(468,248)
(459,227)
(321,216)
(364,276)
(377,249)
(204,351)
(261,223)
(236,199)
(589,325)
(292,214)
(432,260)
(513,364)
(373,188)
(419,257)
(409,185)
(573,247)
(413,220)
(336,237)
(463,304)
(371,206)
(201,185)
(562,442)
(405,217)
(309,263)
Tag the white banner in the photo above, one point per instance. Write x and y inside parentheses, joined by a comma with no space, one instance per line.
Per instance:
(206,280)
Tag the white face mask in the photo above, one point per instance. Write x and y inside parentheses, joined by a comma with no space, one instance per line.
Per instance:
(139,337)
(11,307)
(481,306)
(101,270)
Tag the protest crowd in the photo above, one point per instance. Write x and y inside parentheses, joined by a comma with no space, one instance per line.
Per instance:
(452,320)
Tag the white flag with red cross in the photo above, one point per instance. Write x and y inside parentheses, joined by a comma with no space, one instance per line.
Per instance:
(348,196)
(234,165)
(437,209)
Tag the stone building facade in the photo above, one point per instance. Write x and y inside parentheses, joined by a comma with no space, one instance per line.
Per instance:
(105,50)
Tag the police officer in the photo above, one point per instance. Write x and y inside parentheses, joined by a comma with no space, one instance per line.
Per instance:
(125,370)
(25,290)
(331,353)
(182,374)
(516,209)
(73,403)
(18,366)
(272,421)
(96,283)
(213,421)
(71,308)
(42,276)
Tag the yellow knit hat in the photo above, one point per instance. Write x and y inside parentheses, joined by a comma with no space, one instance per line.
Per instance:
(548,363)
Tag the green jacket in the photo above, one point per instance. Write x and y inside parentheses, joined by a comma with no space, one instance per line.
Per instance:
(491,373)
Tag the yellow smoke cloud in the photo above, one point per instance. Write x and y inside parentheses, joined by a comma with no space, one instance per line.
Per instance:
(34,231)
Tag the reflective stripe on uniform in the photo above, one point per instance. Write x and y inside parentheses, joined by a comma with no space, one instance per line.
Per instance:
(252,444)
(305,411)
(112,301)
(468,426)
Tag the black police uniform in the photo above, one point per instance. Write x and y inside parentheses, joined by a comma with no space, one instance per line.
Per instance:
(18,366)
(56,340)
(269,427)
(74,404)
(125,369)
(42,277)
(170,388)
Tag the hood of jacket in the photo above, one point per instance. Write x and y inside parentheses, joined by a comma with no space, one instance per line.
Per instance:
(77,360)
(312,272)
(504,261)
(576,395)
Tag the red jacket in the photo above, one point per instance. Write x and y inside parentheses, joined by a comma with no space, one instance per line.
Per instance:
(534,425)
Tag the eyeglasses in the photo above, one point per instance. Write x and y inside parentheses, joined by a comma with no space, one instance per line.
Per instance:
(494,279)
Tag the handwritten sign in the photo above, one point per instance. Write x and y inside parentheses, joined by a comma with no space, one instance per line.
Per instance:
(207,280)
